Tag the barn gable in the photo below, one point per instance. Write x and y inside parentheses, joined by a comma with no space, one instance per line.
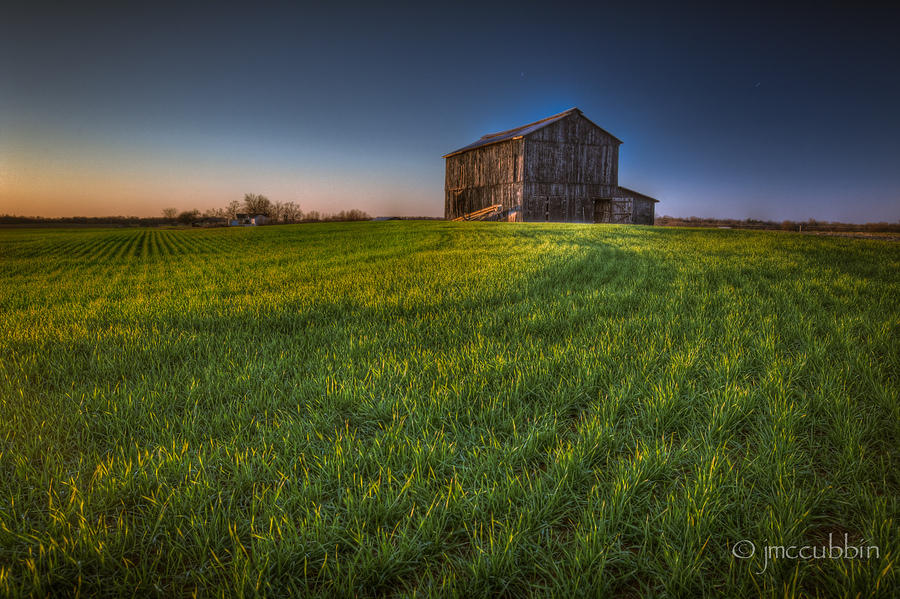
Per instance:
(542,129)
(572,125)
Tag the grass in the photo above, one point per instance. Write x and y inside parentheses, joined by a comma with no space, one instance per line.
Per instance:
(454,409)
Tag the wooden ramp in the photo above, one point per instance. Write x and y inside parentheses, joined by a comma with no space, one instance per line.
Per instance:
(484,214)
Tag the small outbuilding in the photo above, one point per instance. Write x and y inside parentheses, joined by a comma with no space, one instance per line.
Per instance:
(248,220)
(563,168)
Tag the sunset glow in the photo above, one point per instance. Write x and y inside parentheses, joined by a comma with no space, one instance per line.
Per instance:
(124,111)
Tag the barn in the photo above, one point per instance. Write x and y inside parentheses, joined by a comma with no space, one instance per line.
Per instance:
(563,168)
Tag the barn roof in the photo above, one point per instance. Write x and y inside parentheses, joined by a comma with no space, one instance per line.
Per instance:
(637,194)
(524,130)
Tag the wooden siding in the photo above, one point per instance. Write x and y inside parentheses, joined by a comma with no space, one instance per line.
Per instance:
(568,164)
(572,150)
(483,177)
(567,202)
(643,211)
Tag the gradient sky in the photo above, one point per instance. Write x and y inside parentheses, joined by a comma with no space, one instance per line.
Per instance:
(762,112)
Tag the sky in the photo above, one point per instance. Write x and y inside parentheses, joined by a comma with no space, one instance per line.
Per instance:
(772,112)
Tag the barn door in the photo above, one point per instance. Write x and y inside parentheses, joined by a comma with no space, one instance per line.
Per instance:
(621,210)
(602,210)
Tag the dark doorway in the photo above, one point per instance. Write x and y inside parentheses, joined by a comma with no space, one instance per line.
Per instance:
(602,210)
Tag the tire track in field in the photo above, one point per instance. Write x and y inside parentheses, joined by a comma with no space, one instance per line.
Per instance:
(116,250)
(189,241)
(97,248)
(225,241)
(64,248)
(207,242)
(178,243)
(145,244)
(33,249)
(134,246)
(112,249)
(148,243)
(154,244)
(139,248)
(172,238)
(199,243)
(55,247)
(120,247)
(160,248)
(165,247)
(131,247)
(195,243)
(136,249)
(84,246)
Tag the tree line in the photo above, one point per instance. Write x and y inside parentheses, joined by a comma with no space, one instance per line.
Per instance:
(811,225)
(254,204)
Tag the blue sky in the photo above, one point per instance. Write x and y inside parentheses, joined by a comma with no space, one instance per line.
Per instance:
(725,111)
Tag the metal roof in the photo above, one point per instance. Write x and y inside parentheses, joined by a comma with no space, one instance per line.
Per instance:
(524,130)
(636,193)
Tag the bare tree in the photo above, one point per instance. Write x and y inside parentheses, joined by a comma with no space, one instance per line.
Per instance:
(170,213)
(345,215)
(276,213)
(232,209)
(188,216)
(256,203)
(290,212)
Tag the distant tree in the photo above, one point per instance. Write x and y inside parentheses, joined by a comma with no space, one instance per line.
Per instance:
(188,216)
(312,215)
(214,213)
(255,203)
(276,212)
(290,212)
(345,215)
(169,213)
(232,209)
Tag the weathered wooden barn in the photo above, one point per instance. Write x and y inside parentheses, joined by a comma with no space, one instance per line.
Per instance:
(563,168)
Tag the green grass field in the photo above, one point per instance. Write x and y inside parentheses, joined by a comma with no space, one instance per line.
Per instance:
(455,409)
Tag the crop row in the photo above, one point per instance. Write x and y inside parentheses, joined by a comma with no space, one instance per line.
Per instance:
(115,244)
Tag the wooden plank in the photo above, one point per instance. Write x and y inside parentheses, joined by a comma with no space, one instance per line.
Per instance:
(481,214)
